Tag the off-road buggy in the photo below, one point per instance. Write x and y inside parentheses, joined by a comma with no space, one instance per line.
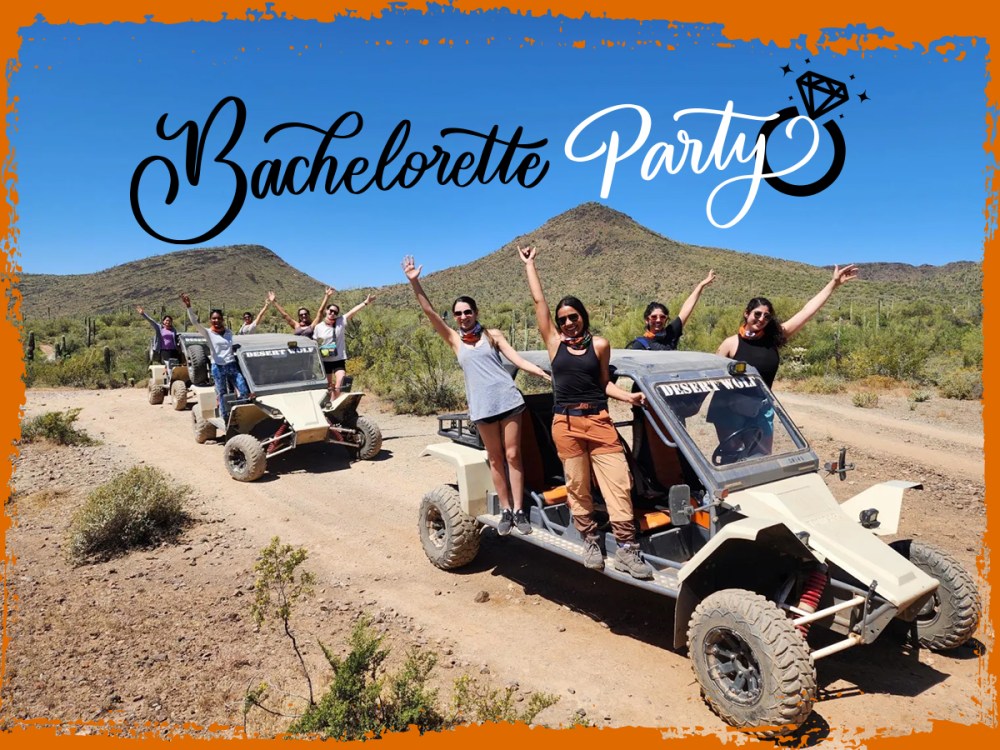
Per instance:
(179,377)
(754,552)
(289,406)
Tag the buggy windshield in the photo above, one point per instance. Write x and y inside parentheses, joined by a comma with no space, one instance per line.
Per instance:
(730,419)
(283,366)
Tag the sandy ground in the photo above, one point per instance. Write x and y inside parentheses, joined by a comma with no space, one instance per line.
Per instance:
(164,637)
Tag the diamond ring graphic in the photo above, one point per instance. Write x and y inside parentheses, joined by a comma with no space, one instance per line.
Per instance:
(820,95)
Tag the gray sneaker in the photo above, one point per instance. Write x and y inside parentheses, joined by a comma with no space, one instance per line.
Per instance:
(593,558)
(506,521)
(521,522)
(627,559)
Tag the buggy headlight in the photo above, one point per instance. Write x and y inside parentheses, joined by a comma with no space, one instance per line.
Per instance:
(737,368)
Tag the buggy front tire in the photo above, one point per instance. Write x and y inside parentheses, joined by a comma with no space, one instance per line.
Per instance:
(245,458)
(371,439)
(203,430)
(178,392)
(156,394)
(753,665)
(449,536)
(950,617)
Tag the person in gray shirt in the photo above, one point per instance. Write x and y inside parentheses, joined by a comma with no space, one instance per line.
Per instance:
(495,403)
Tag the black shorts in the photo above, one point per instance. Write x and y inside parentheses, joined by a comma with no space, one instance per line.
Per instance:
(502,415)
(340,364)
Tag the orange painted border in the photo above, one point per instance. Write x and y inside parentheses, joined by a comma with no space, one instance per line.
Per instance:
(797,26)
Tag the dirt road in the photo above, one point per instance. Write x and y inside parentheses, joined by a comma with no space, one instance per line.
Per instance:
(548,625)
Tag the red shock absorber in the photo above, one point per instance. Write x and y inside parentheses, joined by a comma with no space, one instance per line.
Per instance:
(282,429)
(811,594)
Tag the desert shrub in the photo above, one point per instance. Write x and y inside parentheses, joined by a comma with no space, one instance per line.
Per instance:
(478,702)
(56,427)
(362,700)
(822,384)
(964,384)
(135,508)
(919,397)
(865,399)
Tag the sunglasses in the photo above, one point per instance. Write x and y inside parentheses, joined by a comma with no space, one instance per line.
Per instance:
(333,310)
(463,313)
(303,313)
(572,318)
(657,317)
(758,315)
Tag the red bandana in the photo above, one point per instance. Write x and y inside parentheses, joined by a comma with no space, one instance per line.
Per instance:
(473,336)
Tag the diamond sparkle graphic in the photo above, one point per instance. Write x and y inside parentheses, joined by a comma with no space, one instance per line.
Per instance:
(820,94)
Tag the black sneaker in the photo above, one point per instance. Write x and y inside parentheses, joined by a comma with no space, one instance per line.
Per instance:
(521,522)
(506,521)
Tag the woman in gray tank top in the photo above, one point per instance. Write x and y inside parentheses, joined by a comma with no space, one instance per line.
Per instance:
(495,403)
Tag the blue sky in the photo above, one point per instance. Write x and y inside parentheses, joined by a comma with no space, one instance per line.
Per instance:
(912,188)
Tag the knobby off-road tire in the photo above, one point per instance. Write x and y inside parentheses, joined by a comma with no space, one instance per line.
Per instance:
(951,616)
(197,360)
(371,439)
(156,394)
(245,458)
(179,393)
(203,430)
(752,664)
(450,537)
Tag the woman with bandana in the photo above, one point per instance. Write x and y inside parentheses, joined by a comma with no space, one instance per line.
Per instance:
(495,403)
(582,430)
(660,335)
(225,369)
(758,343)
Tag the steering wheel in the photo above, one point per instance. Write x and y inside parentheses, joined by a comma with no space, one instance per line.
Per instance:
(749,437)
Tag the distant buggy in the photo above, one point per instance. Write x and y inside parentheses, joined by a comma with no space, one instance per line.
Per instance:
(745,538)
(178,377)
(289,406)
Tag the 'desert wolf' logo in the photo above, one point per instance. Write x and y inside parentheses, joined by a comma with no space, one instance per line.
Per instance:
(820,96)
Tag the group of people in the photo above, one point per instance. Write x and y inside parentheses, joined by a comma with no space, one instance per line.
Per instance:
(582,429)
(327,328)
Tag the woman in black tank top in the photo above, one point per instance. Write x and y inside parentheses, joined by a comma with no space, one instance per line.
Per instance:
(758,343)
(584,435)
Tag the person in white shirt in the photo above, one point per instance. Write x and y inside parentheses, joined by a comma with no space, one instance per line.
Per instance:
(225,370)
(328,330)
(250,323)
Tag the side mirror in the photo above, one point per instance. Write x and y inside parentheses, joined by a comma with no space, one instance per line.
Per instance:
(679,500)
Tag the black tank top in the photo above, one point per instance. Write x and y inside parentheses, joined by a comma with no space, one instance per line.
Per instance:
(576,379)
(761,354)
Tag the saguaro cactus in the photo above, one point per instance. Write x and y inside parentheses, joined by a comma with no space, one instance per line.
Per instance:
(31,345)
(107,359)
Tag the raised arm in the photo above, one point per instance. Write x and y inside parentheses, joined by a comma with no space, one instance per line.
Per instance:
(358,307)
(516,359)
(688,307)
(321,313)
(412,271)
(260,315)
(840,276)
(156,326)
(543,317)
(281,311)
(194,318)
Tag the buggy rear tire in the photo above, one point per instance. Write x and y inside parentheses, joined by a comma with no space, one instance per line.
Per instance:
(197,362)
(449,536)
(371,439)
(951,615)
(753,665)
(156,394)
(179,393)
(245,458)
(203,430)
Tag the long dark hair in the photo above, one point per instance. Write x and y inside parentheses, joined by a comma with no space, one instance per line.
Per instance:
(475,308)
(576,304)
(774,335)
(649,311)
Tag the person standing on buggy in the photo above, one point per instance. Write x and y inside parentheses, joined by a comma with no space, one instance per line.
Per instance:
(225,370)
(303,326)
(660,335)
(164,346)
(582,430)
(495,403)
(758,343)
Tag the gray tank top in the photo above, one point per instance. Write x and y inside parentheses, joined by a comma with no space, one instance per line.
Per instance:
(488,387)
